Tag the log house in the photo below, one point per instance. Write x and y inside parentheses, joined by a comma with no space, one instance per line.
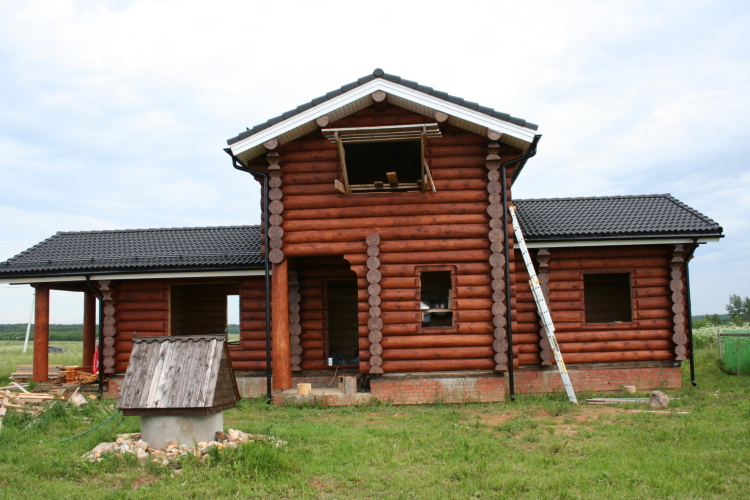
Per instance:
(388,251)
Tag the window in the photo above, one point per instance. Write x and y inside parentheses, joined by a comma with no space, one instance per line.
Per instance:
(200,309)
(436,301)
(607,298)
(387,158)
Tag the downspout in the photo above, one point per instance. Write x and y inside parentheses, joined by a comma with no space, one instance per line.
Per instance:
(100,357)
(238,165)
(690,313)
(531,153)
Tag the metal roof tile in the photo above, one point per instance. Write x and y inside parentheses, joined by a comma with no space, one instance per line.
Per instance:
(379,73)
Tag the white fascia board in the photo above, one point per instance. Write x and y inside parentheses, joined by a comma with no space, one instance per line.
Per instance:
(388,87)
(139,276)
(611,243)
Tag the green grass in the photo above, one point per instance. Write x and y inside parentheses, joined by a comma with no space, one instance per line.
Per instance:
(537,447)
(11,354)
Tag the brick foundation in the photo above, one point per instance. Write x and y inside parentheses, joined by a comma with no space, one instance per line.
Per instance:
(467,388)
(598,378)
(114,385)
(424,390)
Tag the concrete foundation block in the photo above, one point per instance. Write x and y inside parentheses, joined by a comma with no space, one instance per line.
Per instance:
(187,430)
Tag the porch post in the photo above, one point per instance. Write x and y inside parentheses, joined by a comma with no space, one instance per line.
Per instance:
(89,327)
(281,364)
(41,333)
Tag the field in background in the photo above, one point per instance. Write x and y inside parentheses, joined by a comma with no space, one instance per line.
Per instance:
(536,447)
(11,354)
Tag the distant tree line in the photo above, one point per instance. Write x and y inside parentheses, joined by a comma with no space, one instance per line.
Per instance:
(738,313)
(59,333)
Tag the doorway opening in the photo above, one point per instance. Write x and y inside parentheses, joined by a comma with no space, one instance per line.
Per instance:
(343,330)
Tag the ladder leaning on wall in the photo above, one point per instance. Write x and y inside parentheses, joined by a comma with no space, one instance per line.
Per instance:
(541,305)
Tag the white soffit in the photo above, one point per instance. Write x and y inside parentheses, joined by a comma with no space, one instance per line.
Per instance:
(133,276)
(399,95)
(610,243)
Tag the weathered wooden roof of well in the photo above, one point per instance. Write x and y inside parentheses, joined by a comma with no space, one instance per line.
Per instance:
(178,372)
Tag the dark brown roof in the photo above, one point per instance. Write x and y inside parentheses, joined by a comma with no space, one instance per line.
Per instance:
(139,250)
(612,217)
(379,73)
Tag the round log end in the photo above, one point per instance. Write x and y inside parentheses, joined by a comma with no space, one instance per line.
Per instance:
(271,144)
(323,121)
(276,256)
(494,136)
(376,370)
(441,117)
(373,239)
(379,96)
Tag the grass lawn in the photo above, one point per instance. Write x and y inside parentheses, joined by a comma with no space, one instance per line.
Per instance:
(537,447)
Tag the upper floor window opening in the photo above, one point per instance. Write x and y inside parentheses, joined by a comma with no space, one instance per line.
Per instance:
(384,159)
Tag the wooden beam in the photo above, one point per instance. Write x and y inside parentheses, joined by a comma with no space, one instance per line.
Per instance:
(323,121)
(340,186)
(392,179)
(89,328)
(380,101)
(41,333)
(281,365)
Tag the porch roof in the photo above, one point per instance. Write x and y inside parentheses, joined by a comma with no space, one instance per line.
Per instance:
(139,250)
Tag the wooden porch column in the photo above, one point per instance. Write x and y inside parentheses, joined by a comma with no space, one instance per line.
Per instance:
(281,365)
(89,327)
(41,333)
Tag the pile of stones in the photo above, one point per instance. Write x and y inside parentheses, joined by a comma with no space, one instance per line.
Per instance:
(133,444)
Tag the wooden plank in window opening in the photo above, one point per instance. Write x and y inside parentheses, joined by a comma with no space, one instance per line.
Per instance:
(342,154)
(392,179)
(339,186)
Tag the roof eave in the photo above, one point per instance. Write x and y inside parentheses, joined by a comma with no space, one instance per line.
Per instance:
(360,97)
(621,240)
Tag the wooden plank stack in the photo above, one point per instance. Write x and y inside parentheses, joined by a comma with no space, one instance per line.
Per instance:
(23,374)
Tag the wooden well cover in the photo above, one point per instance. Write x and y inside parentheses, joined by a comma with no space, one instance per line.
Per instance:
(189,375)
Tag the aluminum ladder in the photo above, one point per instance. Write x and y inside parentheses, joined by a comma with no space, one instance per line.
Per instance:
(541,305)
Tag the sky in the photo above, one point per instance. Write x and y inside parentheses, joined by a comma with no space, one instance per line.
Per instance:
(114,114)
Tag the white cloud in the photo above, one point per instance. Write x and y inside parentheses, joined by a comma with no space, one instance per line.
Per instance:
(113,114)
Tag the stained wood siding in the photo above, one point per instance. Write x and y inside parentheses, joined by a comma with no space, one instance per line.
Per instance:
(142,309)
(648,337)
(445,228)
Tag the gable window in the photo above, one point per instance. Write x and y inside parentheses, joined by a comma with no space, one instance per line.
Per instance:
(389,158)
(436,298)
(607,298)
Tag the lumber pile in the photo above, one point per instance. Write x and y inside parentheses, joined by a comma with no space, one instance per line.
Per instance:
(16,396)
(24,373)
(66,376)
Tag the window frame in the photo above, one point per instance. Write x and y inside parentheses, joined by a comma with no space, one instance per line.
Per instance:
(452,298)
(390,133)
(630,273)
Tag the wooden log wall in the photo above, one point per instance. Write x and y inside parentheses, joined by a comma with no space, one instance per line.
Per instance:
(251,354)
(141,308)
(449,227)
(374,323)
(648,337)
(497,260)
(676,285)
(109,330)
(545,348)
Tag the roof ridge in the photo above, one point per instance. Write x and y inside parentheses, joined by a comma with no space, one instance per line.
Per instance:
(135,230)
(379,73)
(624,196)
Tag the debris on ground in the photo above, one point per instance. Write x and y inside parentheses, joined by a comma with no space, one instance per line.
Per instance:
(17,397)
(133,444)
(657,400)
